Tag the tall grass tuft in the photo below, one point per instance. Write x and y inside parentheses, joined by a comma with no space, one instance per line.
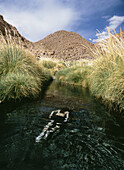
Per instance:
(107,77)
(20,75)
(17,85)
(104,76)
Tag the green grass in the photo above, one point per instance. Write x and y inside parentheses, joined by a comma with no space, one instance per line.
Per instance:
(17,86)
(51,65)
(14,59)
(104,76)
(20,74)
(76,74)
(107,77)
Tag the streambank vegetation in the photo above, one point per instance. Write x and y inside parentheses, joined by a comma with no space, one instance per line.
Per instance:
(21,75)
(104,76)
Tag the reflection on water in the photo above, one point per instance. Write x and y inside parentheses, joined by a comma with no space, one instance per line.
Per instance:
(91,139)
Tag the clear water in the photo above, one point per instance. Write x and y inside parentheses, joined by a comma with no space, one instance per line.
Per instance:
(91,139)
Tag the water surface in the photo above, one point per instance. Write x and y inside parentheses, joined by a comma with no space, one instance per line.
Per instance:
(91,139)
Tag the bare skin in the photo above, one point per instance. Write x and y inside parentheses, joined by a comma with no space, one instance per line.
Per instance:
(44,134)
(58,113)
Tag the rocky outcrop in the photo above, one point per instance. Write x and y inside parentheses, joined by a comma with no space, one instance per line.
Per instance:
(9,33)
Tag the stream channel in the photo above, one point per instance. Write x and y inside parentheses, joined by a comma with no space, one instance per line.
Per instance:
(90,139)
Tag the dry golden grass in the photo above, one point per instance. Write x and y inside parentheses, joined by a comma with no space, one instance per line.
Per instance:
(107,77)
(20,74)
(104,76)
(52,65)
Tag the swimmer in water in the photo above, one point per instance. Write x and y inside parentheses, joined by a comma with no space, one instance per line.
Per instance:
(57,118)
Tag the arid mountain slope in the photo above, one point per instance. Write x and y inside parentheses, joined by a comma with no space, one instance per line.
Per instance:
(10,33)
(65,45)
(60,45)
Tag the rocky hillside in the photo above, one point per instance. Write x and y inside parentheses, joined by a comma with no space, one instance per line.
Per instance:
(61,44)
(65,45)
(9,33)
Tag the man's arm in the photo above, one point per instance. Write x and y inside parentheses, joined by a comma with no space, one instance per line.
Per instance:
(55,111)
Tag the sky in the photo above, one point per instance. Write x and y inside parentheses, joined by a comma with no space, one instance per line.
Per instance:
(35,19)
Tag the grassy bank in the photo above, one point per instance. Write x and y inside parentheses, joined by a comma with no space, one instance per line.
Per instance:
(76,74)
(51,65)
(20,74)
(104,76)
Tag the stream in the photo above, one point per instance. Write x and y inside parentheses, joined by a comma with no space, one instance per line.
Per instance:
(91,139)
